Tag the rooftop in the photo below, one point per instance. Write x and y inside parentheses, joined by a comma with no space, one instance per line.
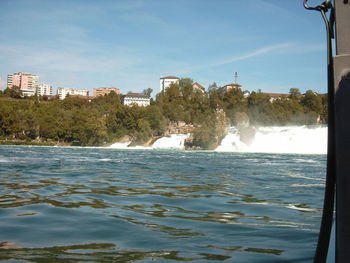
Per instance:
(108,88)
(169,77)
(233,84)
(132,94)
(198,85)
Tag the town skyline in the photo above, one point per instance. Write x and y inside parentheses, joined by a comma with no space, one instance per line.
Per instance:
(130,45)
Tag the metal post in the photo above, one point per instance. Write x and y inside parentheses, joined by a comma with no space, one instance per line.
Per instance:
(342,126)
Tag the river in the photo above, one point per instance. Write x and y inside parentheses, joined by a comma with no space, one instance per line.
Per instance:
(71,204)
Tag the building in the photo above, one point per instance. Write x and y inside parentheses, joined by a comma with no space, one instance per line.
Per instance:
(44,90)
(231,86)
(136,99)
(198,87)
(246,93)
(63,92)
(105,91)
(165,82)
(81,92)
(26,82)
(275,96)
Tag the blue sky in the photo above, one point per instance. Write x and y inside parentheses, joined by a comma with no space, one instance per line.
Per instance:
(274,45)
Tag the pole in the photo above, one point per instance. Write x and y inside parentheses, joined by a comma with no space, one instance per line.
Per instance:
(342,132)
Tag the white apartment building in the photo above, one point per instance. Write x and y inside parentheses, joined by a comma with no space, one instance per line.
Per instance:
(44,89)
(131,99)
(165,82)
(81,92)
(63,92)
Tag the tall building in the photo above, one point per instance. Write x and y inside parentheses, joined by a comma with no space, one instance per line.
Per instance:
(63,92)
(105,91)
(44,89)
(165,82)
(26,82)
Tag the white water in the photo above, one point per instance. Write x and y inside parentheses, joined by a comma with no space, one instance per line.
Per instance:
(174,141)
(120,145)
(292,139)
(289,139)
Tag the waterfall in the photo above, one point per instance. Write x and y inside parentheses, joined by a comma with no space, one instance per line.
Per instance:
(289,139)
(174,141)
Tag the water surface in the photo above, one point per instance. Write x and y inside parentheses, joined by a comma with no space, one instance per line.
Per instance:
(109,205)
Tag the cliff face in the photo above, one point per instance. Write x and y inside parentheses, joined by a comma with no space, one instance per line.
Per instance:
(179,128)
(209,134)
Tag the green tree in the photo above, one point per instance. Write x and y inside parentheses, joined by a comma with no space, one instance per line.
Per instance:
(185,83)
(148,91)
(294,93)
(312,101)
(14,92)
(212,86)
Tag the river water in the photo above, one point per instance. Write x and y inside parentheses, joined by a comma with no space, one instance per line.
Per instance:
(111,205)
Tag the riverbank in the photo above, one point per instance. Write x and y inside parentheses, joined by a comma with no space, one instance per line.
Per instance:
(33,142)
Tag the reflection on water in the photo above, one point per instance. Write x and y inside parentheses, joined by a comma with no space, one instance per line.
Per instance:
(98,205)
(103,253)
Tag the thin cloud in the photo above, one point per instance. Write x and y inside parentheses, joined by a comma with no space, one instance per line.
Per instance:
(288,48)
(256,53)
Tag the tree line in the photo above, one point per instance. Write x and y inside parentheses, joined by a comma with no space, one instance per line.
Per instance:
(104,120)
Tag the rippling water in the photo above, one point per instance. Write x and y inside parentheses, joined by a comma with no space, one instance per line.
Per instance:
(109,205)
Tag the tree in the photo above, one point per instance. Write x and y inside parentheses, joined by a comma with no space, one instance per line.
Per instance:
(14,92)
(212,86)
(185,82)
(313,106)
(216,98)
(312,101)
(156,119)
(294,93)
(105,119)
(148,91)
(259,108)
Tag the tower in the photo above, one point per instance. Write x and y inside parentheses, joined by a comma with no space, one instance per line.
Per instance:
(236,77)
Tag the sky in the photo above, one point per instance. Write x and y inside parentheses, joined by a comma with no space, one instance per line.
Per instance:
(274,45)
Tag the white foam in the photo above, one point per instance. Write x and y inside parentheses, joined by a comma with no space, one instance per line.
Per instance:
(303,209)
(120,145)
(291,139)
(174,141)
